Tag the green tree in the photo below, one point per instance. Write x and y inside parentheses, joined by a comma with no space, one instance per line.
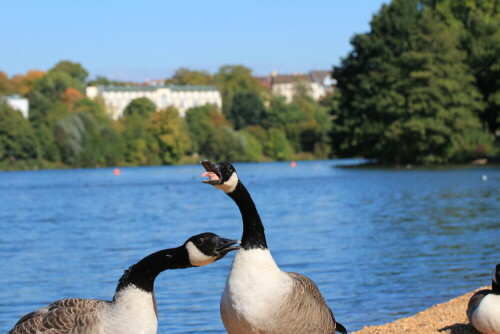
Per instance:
(212,135)
(280,113)
(278,147)
(140,145)
(483,45)
(17,138)
(184,76)
(198,120)
(51,88)
(141,106)
(406,93)
(170,131)
(232,79)
(246,109)
(70,134)
(48,149)
(75,70)
(252,147)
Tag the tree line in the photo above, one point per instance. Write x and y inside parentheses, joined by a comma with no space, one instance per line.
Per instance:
(422,86)
(66,129)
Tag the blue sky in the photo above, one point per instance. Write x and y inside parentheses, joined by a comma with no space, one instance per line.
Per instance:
(135,40)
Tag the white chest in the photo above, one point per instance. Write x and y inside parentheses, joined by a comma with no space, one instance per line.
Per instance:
(132,312)
(486,318)
(254,289)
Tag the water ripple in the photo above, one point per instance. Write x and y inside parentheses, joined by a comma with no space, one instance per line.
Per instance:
(379,243)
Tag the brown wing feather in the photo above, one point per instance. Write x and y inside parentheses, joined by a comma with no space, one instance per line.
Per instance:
(309,286)
(306,311)
(59,317)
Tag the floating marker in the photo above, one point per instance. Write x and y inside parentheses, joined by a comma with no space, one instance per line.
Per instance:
(293,164)
(116,171)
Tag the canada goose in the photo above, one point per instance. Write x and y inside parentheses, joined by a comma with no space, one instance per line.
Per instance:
(483,310)
(133,309)
(258,296)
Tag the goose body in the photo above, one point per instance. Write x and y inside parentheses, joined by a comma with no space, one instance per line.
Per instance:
(483,310)
(259,297)
(133,308)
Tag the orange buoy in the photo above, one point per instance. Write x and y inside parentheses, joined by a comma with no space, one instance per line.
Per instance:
(116,171)
(293,164)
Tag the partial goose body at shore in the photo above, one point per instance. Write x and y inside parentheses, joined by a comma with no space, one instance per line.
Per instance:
(133,308)
(259,297)
(483,310)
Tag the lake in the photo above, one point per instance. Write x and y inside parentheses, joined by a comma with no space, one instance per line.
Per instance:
(380,243)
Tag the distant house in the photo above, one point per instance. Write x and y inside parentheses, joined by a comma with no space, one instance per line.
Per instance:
(316,83)
(116,98)
(18,103)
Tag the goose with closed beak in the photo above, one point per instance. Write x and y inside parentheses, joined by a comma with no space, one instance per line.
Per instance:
(259,297)
(133,308)
(483,310)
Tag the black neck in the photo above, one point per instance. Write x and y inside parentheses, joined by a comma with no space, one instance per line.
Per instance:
(253,230)
(143,273)
(495,288)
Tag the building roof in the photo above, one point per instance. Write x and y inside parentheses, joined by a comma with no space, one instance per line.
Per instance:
(319,76)
(265,81)
(177,88)
(290,78)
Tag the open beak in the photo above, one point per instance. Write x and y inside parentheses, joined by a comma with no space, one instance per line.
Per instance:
(212,171)
(226,245)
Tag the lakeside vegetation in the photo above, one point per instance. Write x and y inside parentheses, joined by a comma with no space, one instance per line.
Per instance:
(421,87)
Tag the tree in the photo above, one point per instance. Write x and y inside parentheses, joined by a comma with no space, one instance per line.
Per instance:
(70,96)
(24,83)
(103,81)
(169,130)
(253,149)
(47,91)
(232,79)
(278,147)
(17,138)
(140,145)
(246,109)
(5,84)
(141,106)
(75,70)
(70,136)
(212,135)
(184,76)
(483,45)
(406,93)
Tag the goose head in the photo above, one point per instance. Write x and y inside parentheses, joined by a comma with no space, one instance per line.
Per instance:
(222,175)
(205,248)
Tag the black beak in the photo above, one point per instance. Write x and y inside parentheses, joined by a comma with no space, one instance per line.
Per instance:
(214,168)
(224,246)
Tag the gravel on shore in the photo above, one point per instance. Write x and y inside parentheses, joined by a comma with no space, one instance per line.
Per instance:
(446,318)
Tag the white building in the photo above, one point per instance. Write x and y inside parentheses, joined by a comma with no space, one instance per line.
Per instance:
(18,103)
(316,83)
(116,98)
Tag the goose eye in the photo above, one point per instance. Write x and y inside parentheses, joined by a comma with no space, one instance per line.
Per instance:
(200,241)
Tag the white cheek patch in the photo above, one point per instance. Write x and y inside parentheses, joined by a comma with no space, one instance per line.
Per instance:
(196,257)
(229,185)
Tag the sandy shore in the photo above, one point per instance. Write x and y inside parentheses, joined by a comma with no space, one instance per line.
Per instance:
(446,318)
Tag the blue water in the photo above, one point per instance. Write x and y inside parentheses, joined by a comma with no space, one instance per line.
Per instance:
(380,243)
